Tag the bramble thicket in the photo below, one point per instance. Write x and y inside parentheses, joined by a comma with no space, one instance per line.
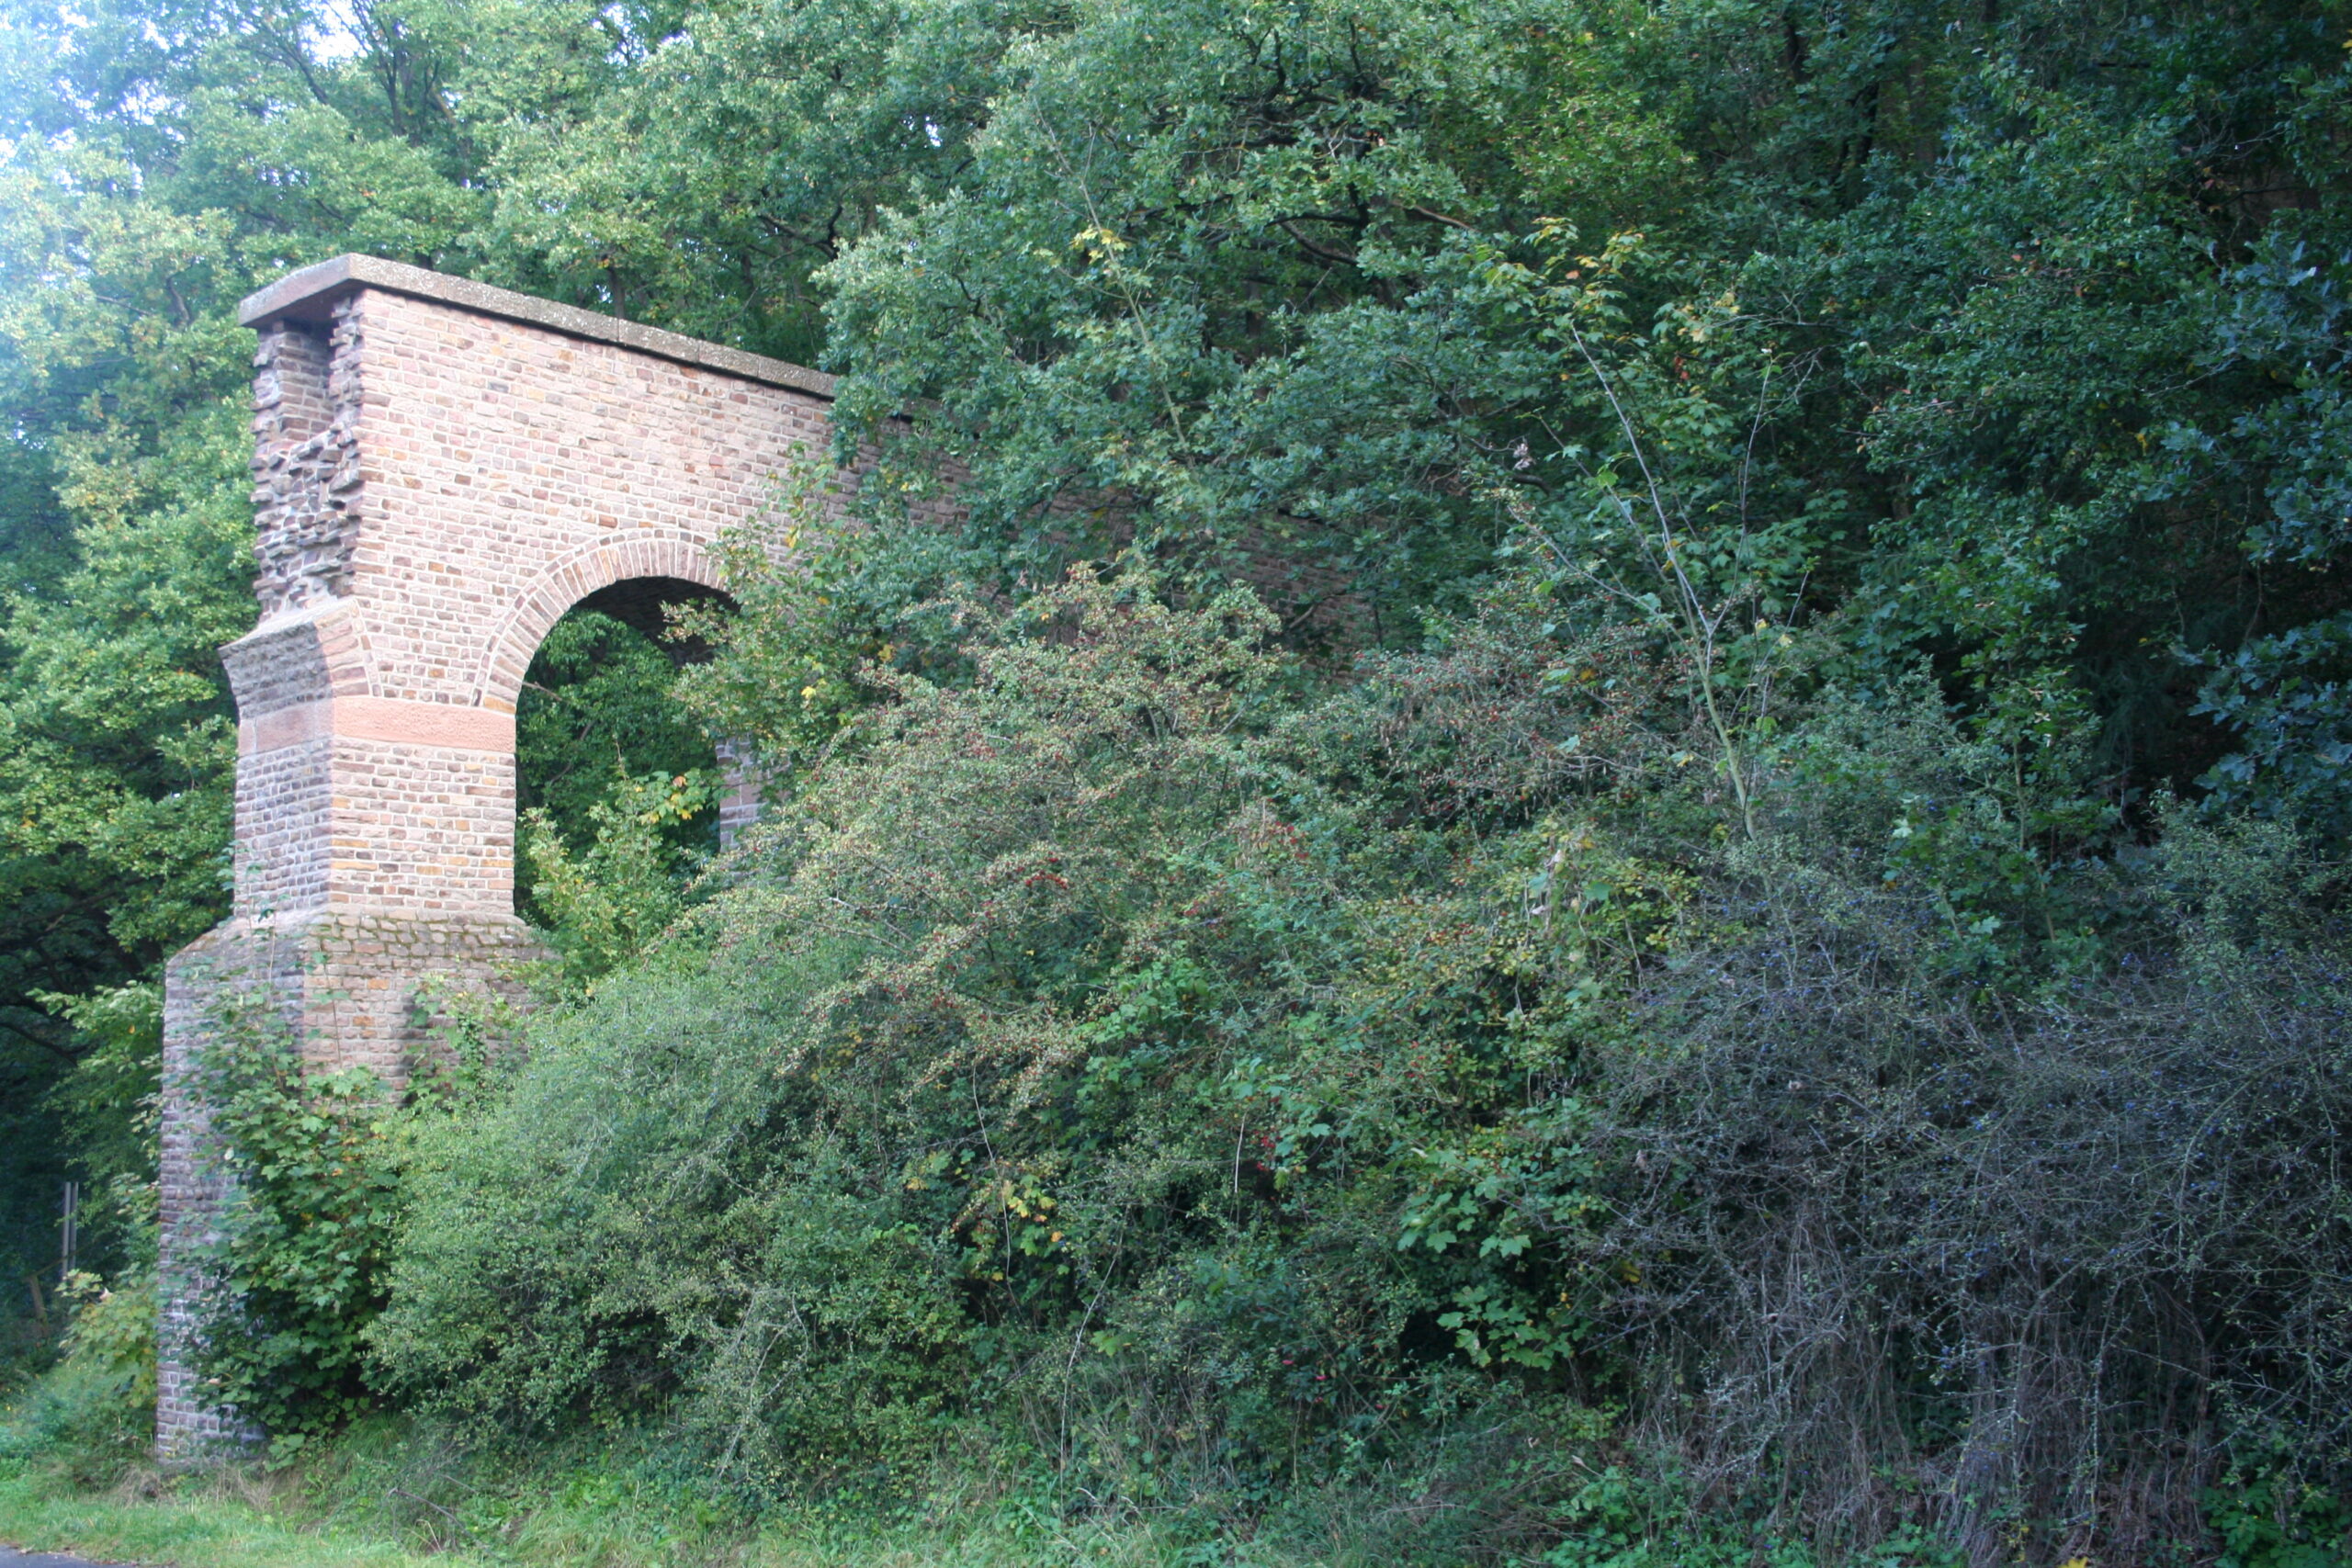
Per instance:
(1615,836)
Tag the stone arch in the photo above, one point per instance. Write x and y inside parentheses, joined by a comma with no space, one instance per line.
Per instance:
(441,471)
(564,584)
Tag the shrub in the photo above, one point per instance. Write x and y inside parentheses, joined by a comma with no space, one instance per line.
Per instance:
(93,1414)
(1033,1065)
(1885,1235)
(295,1271)
(1223,1098)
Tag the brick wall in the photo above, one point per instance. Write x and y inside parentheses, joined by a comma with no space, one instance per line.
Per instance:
(435,486)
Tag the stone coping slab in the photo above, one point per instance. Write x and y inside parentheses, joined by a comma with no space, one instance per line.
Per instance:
(306,296)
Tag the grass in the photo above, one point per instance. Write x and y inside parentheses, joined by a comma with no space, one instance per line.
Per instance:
(397,1493)
(239,1518)
(185,1527)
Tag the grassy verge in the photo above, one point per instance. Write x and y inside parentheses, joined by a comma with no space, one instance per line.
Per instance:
(235,1518)
(185,1527)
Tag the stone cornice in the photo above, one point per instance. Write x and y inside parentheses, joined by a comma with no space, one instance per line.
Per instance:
(306,296)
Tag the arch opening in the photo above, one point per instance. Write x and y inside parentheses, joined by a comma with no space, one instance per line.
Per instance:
(602,742)
(647,606)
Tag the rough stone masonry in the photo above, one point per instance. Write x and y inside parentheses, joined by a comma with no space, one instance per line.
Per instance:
(441,471)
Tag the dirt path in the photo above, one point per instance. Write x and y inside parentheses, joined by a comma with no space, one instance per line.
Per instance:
(11,1558)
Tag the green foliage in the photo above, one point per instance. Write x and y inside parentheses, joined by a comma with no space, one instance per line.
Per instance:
(92,1415)
(598,724)
(296,1271)
(608,901)
(817,603)
(2268,1524)
(598,697)
(2283,691)
(1762,512)
(111,1107)
(579,1336)
(1116,1059)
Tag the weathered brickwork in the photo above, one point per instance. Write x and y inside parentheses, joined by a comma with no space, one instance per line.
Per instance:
(284,807)
(306,462)
(514,471)
(441,471)
(345,987)
(300,656)
(740,807)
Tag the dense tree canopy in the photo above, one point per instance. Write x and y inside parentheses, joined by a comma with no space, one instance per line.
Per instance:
(1722,383)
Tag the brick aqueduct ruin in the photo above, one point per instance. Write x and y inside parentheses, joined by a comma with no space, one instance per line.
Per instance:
(443,469)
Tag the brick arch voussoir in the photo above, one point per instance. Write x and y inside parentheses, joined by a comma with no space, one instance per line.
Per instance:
(565,582)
